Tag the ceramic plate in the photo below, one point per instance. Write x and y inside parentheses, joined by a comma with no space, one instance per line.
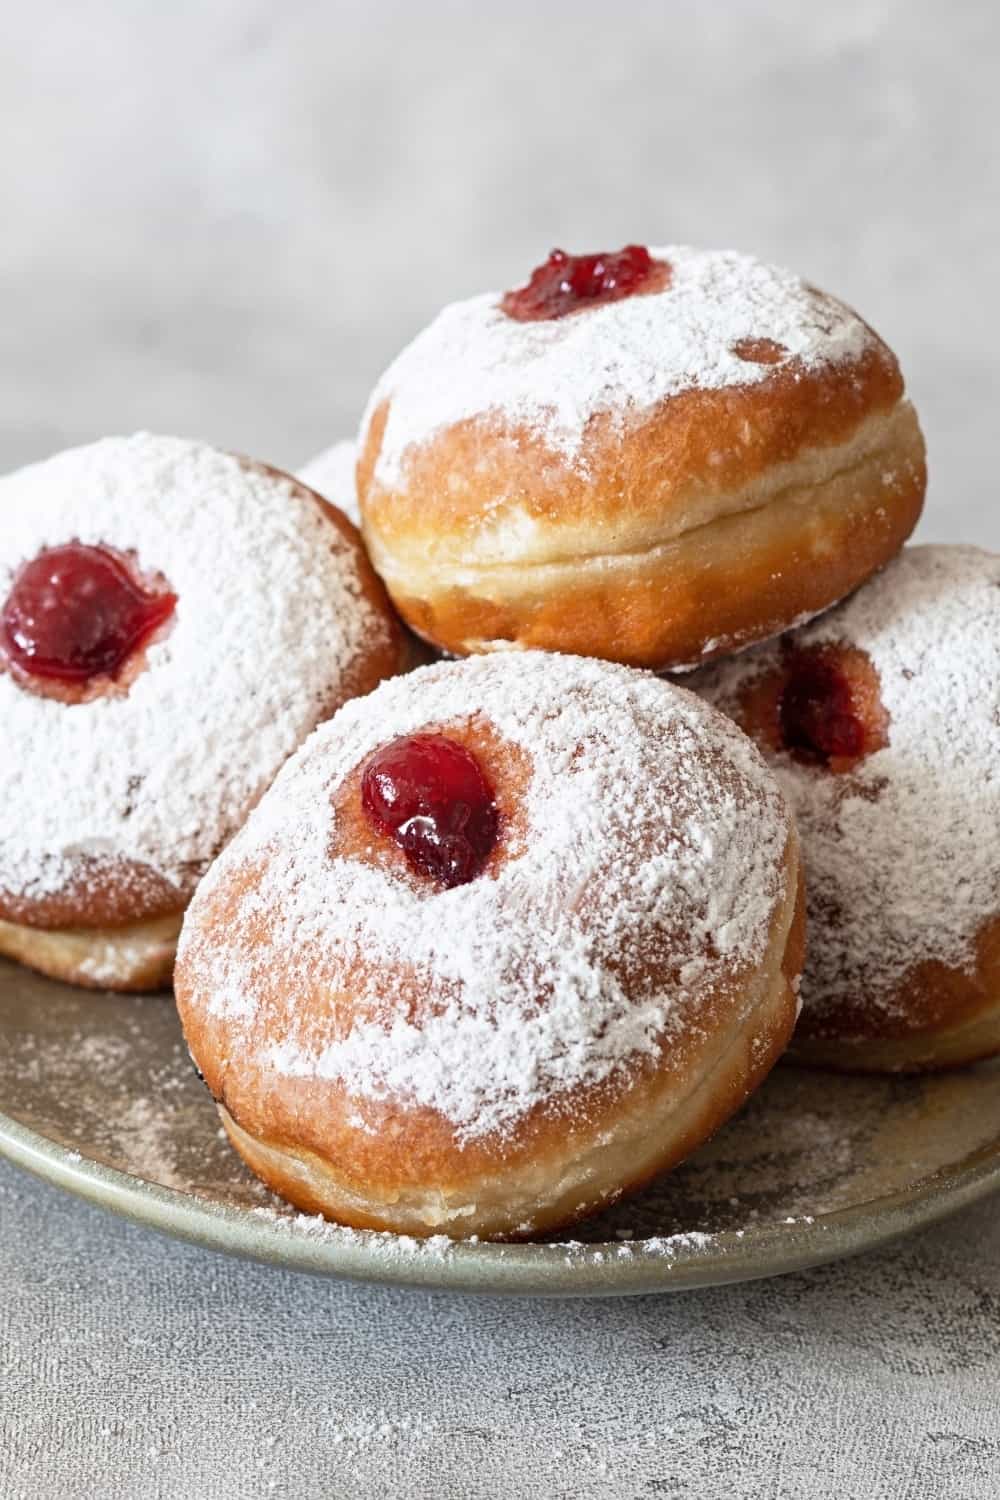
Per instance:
(99,1096)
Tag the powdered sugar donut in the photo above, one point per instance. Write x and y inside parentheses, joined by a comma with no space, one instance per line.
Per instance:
(331,473)
(504,938)
(653,457)
(882,723)
(173,623)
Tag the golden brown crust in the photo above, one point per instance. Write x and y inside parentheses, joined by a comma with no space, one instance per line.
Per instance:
(382,1164)
(136,957)
(102,893)
(676,468)
(564,1167)
(940,1017)
(113,893)
(721,517)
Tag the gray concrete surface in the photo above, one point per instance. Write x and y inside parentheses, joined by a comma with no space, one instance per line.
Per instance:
(134,1369)
(222,217)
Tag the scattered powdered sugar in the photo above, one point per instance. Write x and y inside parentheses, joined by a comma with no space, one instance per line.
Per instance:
(684,1243)
(270,618)
(331,474)
(901,854)
(144,1132)
(399,1246)
(651,826)
(618,357)
(680,1245)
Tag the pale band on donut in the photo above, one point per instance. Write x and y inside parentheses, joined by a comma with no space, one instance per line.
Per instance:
(134,956)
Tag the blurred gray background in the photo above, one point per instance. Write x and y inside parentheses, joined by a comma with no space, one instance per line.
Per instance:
(222,217)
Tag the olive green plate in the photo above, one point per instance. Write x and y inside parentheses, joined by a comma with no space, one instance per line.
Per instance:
(99,1096)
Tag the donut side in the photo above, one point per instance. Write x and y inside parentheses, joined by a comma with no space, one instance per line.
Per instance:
(781,546)
(952,1018)
(560,1174)
(136,956)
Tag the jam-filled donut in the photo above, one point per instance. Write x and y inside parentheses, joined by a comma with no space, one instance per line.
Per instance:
(503,939)
(331,473)
(174,621)
(882,722)
(655,457)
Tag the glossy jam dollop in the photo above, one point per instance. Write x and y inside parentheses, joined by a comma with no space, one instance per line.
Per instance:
(817,712)
(566,283)
(429,794)
(78,612)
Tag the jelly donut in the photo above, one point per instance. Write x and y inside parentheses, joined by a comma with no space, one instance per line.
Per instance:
(882,723)
(174,621)
(331,473)
(504,939)
(654,457)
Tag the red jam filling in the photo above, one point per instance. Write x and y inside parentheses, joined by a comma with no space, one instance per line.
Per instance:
(567,283)
(78,612)
(817,713)
(428,793)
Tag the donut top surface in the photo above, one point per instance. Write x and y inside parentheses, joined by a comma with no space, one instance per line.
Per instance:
(723,319)
(638,868)
(269,621)
(901,855)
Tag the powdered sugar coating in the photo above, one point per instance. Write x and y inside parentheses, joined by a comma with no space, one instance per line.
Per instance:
(652,827)
(270,620)
(331,474)
(901,855)
(620,357)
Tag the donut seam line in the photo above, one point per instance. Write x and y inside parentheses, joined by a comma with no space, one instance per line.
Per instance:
(576,559)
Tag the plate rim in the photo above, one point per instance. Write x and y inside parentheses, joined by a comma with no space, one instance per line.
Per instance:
(569,1269)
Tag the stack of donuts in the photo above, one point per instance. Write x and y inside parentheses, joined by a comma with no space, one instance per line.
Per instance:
(700,766)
